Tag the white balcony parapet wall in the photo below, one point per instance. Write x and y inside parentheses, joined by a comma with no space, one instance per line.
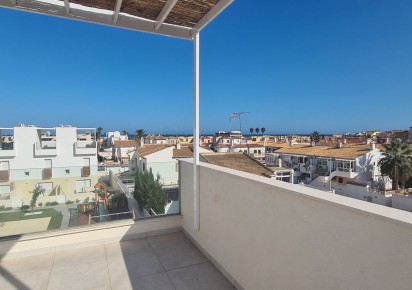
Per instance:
(45,148)
(269,234)
(7,153)
(85,148)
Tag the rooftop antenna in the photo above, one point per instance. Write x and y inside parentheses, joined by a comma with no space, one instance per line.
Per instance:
(238,115)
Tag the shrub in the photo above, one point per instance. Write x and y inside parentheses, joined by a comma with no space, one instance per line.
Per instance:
(48,203)
(25,207)
(69,202)
(54,203)
(86,200)
(77,200)
(40,204)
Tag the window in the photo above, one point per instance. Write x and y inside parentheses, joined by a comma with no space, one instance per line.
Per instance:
(67,171)
(46,185)
(26,173)
(5,189)
(254,151)
(82,185)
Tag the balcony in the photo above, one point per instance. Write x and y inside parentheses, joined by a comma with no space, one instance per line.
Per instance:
(306,168)
(4,175)
(85,171)
(45,148)
(345,172)
(7,150)
(85,148)
(296,238)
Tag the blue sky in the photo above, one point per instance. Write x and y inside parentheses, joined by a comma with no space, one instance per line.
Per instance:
(297,66)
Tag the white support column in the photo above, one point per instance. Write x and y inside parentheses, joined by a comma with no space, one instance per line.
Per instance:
(196,132)
(67,6)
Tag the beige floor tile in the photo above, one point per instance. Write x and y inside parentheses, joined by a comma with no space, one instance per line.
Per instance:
(133,266)
(199,277)
(28,264)
(69,258)
(24,281)
(159,281)
(172,258)
(88,275)
(127,247)
(169,240)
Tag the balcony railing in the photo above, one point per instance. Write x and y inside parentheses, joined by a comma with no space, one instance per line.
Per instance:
(297,239)
(45,148)
(85,148)
(7,150)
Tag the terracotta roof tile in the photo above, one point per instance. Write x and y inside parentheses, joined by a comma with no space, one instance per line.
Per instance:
(238,161)
(148,149)
(346,152)
(124,143)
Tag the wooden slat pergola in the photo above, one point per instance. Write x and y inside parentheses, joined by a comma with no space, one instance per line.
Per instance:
(174,18)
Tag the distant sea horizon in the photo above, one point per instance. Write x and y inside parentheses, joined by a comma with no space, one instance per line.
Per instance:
(246,135)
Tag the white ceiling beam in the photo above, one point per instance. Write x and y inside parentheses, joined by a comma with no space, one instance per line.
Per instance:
(67,6)
(164,13)
(215,11)
(117,10)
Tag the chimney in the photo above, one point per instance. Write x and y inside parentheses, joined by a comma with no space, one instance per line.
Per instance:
(373,146)
(279,162)
(339,145)
(312,143)
(264,142)
(178,144)
(344,141)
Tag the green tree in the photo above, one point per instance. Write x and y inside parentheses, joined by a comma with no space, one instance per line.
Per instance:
(99,133)
(396,163)
(125,132)
(38,190)
(251,130)
(263,130)
(148,192)
(257,130)
(139,136)
(315,137)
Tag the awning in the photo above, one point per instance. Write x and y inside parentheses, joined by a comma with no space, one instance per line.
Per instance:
(175,18)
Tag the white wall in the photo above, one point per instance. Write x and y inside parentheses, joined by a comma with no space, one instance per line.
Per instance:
(402,202)
(66,137)
(270,234)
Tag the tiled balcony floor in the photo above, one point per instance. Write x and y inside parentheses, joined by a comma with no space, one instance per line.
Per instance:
(162,262)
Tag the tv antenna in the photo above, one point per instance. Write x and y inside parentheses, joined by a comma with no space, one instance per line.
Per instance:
(238,116)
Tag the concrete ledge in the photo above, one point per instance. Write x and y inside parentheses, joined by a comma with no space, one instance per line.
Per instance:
(35,244)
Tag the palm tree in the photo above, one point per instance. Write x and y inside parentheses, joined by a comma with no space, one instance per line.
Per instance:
(263,129)
(257,130)
(315,137)
(139,136)
(99,133)
(396,163)
(251,131)
(125,132)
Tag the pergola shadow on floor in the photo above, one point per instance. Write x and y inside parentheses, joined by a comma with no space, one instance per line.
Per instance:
(168,261)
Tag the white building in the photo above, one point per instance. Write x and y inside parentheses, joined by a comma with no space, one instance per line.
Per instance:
(122,150)
(350,170)
(155,139)
(51,157)
(111,137)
